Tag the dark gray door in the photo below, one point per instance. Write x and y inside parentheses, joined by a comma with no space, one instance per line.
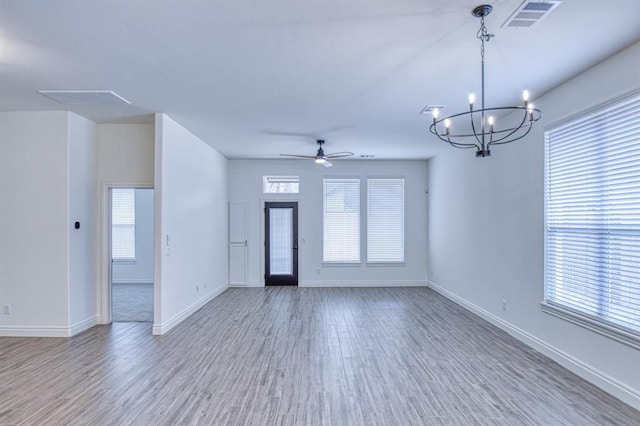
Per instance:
(281,243)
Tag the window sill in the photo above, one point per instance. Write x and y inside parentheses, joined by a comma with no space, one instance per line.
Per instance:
(386,264)
(341,264)
(125,261)
(600,327)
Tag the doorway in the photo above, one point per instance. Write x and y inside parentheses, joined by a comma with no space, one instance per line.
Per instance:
(131,252)
(281,243)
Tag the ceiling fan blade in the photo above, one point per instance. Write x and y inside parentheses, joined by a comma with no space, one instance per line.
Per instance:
(327,163)
(297,156)
(339,154)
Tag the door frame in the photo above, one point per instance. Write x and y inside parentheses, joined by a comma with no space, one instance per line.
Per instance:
(263,206)
(104,303)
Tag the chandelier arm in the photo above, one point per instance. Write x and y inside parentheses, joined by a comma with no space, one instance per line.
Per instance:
(528,127)
(446,138)
(515,129)
(473,129)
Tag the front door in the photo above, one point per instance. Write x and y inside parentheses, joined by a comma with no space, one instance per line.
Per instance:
(281,243)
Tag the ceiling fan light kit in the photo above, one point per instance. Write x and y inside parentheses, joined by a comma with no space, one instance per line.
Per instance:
(484,130)
(321,157)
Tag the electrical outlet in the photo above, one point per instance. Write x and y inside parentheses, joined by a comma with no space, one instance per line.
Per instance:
(197,288)
(7,309)
(504,305)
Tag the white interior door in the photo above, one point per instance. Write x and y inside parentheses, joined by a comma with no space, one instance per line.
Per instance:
(238,247)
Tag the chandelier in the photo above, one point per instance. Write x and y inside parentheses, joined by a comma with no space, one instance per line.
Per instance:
(478,128)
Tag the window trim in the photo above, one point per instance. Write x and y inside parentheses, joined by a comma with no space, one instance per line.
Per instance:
(125,260)
(348,263)
(595,324)
(404,221)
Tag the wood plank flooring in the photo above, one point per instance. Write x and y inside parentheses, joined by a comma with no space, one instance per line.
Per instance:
(299,356)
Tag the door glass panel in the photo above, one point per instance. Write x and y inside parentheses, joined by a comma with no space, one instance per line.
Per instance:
(280,240)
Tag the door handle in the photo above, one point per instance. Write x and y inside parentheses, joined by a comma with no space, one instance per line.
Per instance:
(295,247)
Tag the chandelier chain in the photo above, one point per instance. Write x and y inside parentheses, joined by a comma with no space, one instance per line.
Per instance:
(483,35)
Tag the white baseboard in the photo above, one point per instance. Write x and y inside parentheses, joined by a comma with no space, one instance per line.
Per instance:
(134,281)
(605,382)
(48,331)
(34,331)
(81,326)
(165,327)
(342,283)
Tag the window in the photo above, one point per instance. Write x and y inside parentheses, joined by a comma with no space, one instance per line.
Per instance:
(592,219)
(280,184)
(385,220)
(341,221)
(123,224)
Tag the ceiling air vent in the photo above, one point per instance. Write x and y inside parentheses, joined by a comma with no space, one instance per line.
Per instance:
(429,108)
(85,97)
(530,12)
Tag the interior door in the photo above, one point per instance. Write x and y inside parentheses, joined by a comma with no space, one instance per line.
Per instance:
(238,250)
(281,243)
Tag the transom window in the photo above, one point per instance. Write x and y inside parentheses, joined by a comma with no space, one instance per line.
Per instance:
(280,184)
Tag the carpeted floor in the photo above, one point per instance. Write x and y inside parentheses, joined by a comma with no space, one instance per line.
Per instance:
(132,302)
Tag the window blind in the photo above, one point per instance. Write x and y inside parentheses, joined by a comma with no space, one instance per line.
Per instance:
(341,220)
(385,220)
(592,215)
(123,223)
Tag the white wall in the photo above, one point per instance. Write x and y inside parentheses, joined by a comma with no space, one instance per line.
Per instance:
(33,226)
(486,228)
(191,210)
(245,182)
(47,182)
(83,208)
(140,271)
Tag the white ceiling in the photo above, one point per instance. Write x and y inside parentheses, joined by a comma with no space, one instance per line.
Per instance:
(253,77)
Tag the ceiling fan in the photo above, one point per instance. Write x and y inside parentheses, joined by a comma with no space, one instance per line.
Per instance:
(321,157)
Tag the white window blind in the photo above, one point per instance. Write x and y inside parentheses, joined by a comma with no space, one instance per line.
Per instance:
(123,223)
(341,220)
(592,215)
(280,184)
(385,220)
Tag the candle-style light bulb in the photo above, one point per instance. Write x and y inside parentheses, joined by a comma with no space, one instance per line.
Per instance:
(436,113)
(472,99)
(525,95)
(447,124)
(491,121)
(530,110)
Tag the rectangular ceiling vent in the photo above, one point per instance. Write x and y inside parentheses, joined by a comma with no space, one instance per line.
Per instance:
(529,13)
(85,97)
(429,108)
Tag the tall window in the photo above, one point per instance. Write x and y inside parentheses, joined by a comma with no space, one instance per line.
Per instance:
(341,220)
(592,218)
(385,220)
(123,224)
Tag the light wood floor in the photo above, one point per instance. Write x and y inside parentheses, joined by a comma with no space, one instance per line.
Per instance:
(286,356)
